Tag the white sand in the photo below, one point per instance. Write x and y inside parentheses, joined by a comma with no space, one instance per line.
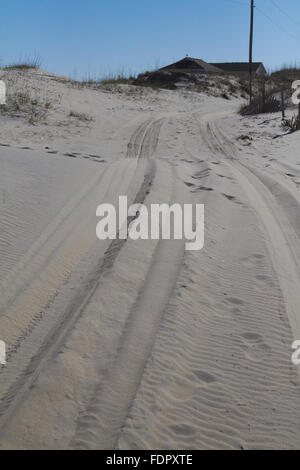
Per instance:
(142,345)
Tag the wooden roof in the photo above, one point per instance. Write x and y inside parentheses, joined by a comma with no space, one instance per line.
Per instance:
(237,66)
(190,63)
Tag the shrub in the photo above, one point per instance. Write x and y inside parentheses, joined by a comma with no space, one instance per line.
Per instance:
(18,100)
(31,108)
(292,124)
(259,106)
(81,116)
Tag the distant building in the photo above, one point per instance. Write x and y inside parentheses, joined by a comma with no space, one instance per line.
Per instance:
(241,67)
(189,64)
(192,65)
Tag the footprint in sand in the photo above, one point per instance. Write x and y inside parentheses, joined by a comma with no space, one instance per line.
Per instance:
(201,174)
(252,260)
(224,176)
(235,301)
(230,198)
(255,347)
(204,376)
(258,258)
(72,155)
(263,281)
(182,429)
(252,336)
(187,161)
(262,277)
(202,188)
(233,199)
(236,311)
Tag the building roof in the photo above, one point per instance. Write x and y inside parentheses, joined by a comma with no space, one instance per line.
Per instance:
(190,63)
(237,66)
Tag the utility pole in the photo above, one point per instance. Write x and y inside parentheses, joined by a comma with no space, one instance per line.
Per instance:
(251,50)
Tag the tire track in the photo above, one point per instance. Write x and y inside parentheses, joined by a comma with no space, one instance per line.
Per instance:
(100,424)
(277,210)
(144,141)
(147,138)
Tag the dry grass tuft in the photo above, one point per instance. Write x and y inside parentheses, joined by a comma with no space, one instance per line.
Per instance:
(30,63)
(292,124)
(81,116)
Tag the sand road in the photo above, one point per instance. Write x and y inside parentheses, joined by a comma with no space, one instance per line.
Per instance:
(141,344)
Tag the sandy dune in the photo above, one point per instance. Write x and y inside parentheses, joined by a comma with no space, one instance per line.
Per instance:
(143,345)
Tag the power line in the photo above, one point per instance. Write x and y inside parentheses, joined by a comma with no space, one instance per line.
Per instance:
(238,2)
(277,25)
(285,13)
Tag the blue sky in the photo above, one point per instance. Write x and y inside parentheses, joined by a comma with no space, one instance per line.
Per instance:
(99,37)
